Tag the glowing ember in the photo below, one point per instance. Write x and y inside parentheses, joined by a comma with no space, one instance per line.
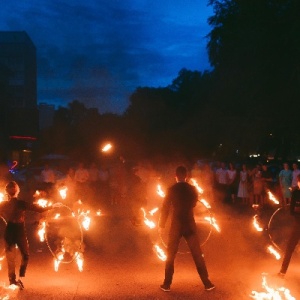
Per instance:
(84,219)
(195,184)
(255,224)
(280,293)
(160,192)
(205,203)
(1,197)
(42,231)
(79,260)
(272,197)
(63,192)
(160,253)
(148,222)
(213,222)
(273,251)
(106,148)
(98,213)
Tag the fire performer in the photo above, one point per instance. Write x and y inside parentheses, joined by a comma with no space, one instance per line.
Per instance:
(295,234)
(182,197)
(13,211)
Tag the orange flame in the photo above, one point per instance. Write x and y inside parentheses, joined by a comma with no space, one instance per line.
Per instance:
(255,224)
(148,222)
(56,216)
(63,192)
(107,147)
(213,222)
(160,253)
(79,260)
(1,197)
(273,251)
(160,192)
(43,202)
(58,260)
(272,198)
(42,231)
(280,293)
(205,203)
(196,185)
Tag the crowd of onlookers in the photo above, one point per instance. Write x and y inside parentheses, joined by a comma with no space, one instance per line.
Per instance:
(135,184)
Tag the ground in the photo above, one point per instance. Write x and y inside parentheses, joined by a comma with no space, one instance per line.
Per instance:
(120,264)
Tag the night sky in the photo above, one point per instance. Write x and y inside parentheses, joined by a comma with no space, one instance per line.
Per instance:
(100,51)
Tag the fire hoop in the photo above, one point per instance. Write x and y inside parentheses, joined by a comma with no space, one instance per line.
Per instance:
(280,214)
(79,247)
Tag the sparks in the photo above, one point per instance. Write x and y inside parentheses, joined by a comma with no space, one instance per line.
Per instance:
(255,224)
(58,260)
(272,197)
(273,251)
(160,253)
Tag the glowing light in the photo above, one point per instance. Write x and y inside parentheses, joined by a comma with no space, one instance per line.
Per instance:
(84,219)
(160,192)
(160,253)
(148,222)
(213,222)
(106,148)
(196,185)
(255,224)
(153,211)
(79,260)
(56,216)
(272,197)
(42,231)
(98,213)
(63,192)
(273,251)
(270,293)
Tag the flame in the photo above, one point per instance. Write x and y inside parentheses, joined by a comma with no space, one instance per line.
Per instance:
(63,192)
(160,253)
(160,192)
(42,231)
(272,198)
(280,293)
(43,202)
(1,197)
(98,213)
(107,147)
(273,251)
(205,203)
(148,222)
(58,259)
(213,222)
(195,184)
(79,260)
(56,216)
(255,224)
(84,219)
(153,211)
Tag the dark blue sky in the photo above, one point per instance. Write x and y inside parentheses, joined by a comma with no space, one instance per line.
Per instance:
(100,51)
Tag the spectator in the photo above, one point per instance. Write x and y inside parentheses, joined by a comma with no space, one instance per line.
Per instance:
(48,179)
(81,178)
(243,185)
(285,182)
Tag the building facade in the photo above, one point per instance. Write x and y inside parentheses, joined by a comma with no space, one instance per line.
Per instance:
(19,122)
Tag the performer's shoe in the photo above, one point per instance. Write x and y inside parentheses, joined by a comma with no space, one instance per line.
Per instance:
(210,287)
(165,288)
